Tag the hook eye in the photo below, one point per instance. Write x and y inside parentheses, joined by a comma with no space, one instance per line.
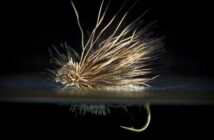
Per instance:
(145,125)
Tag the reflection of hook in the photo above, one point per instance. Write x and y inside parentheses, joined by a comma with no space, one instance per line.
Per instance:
(146,124)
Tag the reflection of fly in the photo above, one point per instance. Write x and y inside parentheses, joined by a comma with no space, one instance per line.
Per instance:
(119,59)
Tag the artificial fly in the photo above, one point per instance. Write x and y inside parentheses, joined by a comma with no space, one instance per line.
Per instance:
(109,62)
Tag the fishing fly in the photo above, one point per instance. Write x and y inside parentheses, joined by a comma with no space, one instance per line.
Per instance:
(116,61)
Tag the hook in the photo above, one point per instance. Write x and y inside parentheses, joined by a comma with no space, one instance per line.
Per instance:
(146,124)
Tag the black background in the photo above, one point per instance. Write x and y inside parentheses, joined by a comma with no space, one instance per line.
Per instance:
(29,28)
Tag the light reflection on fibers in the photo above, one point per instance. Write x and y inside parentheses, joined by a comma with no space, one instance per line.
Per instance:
(116,62)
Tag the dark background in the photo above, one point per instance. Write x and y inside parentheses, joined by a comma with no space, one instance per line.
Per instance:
(38,121)
(29,28)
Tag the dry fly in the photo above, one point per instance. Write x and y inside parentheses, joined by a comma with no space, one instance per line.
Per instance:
(119,59)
